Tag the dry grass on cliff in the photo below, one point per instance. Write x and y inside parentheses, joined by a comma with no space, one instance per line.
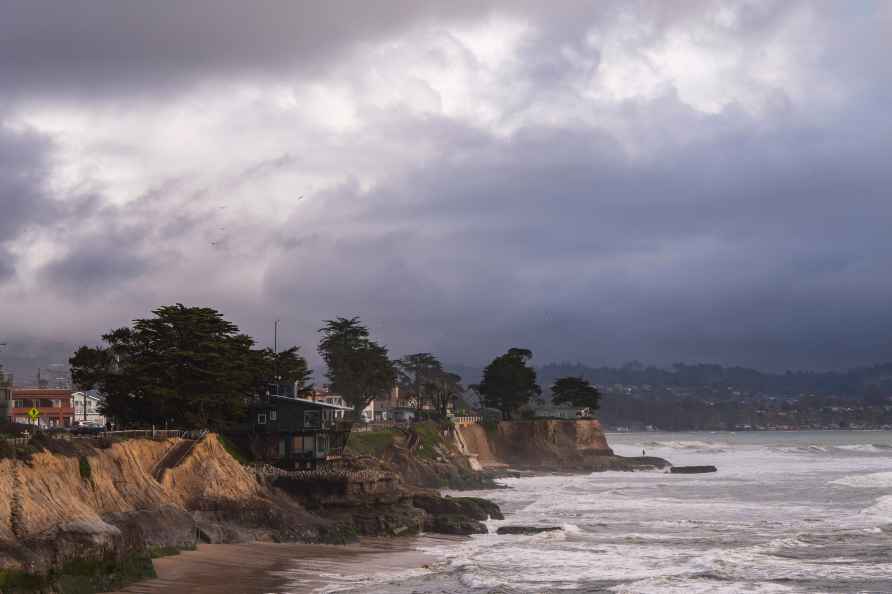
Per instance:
(79,481)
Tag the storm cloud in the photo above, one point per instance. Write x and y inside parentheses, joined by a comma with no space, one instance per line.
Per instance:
(700,181)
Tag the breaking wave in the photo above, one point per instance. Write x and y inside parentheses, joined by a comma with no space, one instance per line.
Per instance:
(867,447)
(687,445)
(877,480)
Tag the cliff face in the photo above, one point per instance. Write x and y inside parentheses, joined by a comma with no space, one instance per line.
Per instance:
(51,489)
(93,503)
(86,503)
(425,455)
(546,445)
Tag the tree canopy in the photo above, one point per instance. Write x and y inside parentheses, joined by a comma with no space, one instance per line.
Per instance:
(187,366)
(358,367)
(286,368)
(576,391)
(415,373)
(508,382)
(443,388)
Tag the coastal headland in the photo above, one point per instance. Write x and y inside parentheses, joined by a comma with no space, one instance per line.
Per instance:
(89,515)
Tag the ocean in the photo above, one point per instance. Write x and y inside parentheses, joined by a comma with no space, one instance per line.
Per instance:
(786,512)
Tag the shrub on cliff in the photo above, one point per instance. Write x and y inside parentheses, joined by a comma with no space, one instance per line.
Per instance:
(84,466)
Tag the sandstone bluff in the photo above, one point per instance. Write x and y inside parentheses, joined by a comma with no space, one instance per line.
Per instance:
(101,510)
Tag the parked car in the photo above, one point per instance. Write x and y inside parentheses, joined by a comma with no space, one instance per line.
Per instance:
(87,429)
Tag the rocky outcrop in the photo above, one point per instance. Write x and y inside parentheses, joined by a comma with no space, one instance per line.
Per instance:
(525,530)
(428,455)
(378,502)
(578,445)
(692,469)
(474,508)
(77,540)
(456,515)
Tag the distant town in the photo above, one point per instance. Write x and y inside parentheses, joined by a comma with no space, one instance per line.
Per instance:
(632,398)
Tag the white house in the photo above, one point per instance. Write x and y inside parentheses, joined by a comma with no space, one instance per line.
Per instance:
(557,411)
(86,408)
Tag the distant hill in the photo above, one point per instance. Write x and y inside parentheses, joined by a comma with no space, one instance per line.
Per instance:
(857,382)
(854,383)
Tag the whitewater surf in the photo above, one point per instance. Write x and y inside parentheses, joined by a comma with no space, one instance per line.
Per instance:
(787,512)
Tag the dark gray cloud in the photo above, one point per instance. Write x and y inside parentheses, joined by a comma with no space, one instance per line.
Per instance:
(98,47)
(98,264)
(24,201)
(24,165)
(559,200)
(747,247)
(109,49)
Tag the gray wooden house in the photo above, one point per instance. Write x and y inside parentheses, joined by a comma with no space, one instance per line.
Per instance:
(294,433)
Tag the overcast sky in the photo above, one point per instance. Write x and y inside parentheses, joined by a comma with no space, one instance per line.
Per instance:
(596,181)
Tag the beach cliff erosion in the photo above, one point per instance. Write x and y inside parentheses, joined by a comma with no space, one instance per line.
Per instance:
(91,514)
(546,445)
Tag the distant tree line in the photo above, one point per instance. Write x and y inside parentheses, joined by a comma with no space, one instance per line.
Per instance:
(190,367)
(858,382)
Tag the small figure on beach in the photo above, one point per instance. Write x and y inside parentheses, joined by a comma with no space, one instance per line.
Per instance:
(643,453)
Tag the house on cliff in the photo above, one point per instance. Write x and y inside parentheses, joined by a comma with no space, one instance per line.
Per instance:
(86,408)
(293,433)
(558,411)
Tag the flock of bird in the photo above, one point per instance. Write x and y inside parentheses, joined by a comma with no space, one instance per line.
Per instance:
(220,241)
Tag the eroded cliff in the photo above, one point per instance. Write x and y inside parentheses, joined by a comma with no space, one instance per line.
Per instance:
(89,504)
(546,445)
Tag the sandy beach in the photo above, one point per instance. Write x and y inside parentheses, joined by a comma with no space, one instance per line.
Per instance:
(263,568)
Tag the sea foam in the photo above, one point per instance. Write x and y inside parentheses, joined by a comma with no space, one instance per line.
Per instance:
(877,480)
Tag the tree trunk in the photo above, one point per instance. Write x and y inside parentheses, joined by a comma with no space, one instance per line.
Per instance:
(358,407)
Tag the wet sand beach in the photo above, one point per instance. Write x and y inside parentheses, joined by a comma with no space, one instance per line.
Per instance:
(263,568)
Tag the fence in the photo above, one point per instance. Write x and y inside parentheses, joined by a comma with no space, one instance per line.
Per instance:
(376,426)
(465,420)
(17,441)
(127,434)
(324,474)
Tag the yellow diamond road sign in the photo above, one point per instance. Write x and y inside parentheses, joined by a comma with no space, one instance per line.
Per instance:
(33,413)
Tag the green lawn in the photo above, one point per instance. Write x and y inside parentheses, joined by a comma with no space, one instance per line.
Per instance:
(371,443)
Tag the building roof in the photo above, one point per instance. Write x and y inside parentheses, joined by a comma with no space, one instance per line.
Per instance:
(41,392)
(87,395)
(305,401)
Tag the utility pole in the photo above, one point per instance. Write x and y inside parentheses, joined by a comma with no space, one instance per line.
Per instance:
(2,373)
(276,354)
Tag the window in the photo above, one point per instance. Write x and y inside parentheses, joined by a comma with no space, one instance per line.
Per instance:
(273,415)
(261,419)
(312,419)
